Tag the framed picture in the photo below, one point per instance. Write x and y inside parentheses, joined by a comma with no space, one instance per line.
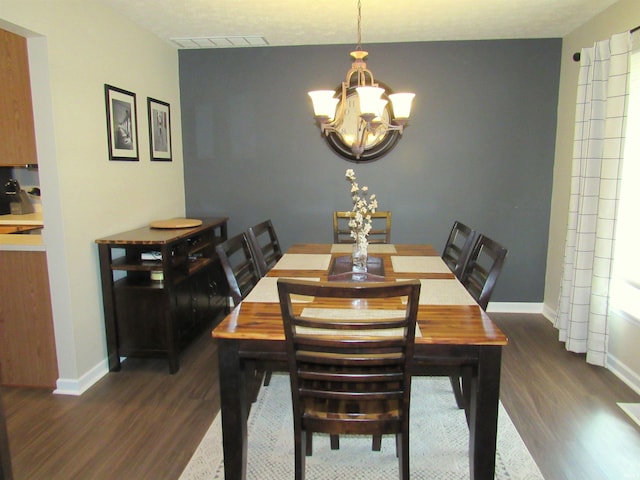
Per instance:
(122,124)
(159,130)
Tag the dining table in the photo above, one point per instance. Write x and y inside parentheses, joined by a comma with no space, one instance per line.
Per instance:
(456,339)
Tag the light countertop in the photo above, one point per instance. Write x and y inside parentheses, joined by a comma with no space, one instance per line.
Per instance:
(21,242)
(26,219)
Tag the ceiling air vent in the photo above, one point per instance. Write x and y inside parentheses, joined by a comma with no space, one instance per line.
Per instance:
(220,42)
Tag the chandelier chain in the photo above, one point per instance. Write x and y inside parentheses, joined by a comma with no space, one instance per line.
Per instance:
(359,45)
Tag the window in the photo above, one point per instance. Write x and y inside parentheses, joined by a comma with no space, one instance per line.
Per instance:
(625,286)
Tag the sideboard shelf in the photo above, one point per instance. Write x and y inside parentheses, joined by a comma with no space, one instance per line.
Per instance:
(160,287)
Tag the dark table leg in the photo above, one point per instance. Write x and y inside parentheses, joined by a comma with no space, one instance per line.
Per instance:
(483,420)
(233,407)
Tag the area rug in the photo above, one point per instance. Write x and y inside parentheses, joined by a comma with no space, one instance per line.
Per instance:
(439,443)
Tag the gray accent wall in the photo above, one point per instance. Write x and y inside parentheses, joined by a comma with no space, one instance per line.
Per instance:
(479,147)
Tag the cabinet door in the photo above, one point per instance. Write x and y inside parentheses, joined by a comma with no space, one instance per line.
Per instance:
(27,344)
(196,304)
(17,133)
(142,315)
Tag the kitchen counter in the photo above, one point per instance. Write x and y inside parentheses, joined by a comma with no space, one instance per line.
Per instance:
(22,241)
(26,219)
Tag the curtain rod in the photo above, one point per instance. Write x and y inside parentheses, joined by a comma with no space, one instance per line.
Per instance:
(576,56)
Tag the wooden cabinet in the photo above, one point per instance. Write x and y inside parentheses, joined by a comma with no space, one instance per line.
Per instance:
(160,288)
(5,454)
(17,133)
(27,343)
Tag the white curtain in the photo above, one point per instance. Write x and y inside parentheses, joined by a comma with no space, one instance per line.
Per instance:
(601,112)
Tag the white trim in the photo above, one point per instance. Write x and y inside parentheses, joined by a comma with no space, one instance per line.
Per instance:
(514,307)
(624,373)
(70,386)
(549,313)
(631,409)
(627,317)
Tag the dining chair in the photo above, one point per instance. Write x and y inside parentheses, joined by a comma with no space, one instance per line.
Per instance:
(380,227)
(350,369)
(483,269)
(479,278)
(265,245)
(458,247)
(242,274)
(239,265)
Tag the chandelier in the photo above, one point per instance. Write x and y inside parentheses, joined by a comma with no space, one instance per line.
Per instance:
(361,120)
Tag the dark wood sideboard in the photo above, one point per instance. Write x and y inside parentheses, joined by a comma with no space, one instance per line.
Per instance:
(160,288)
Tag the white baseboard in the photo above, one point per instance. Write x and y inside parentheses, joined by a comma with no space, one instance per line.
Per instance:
(514,307)
(624,373)
(549,313)
(631,409)
(70,386)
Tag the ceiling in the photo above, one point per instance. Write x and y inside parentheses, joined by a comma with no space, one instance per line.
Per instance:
(318,22)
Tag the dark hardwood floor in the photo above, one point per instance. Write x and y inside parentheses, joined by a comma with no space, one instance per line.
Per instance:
(564,408)
(142,423)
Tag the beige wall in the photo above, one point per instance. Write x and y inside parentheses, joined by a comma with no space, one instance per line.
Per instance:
(76,46)
(622,16)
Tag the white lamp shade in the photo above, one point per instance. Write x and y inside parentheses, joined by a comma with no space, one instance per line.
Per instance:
(401,104)
(380,108)
(324,105)
(369,99)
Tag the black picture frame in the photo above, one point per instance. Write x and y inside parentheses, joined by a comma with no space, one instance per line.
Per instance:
(122,124)
(159,130)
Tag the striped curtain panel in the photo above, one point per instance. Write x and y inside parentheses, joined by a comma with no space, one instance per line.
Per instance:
(601,112)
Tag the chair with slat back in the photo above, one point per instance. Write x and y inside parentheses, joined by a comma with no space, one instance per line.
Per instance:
(265,245)
(241,271)
(458,247)
(479,278)
(483,269)
(350,370)
(380,227)
(239,266)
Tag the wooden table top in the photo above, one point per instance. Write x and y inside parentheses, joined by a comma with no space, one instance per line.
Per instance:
(152,236)
(440,324)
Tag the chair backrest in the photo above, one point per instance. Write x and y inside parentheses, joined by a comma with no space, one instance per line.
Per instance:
(483,269)
(380,227)
(265,245)
(350,368)
(458,247)
(239,266)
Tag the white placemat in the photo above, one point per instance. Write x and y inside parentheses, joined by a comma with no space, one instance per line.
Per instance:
(303,261)
(375,248)
(419,264)
(266,291)
(353,314)
(443,292)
